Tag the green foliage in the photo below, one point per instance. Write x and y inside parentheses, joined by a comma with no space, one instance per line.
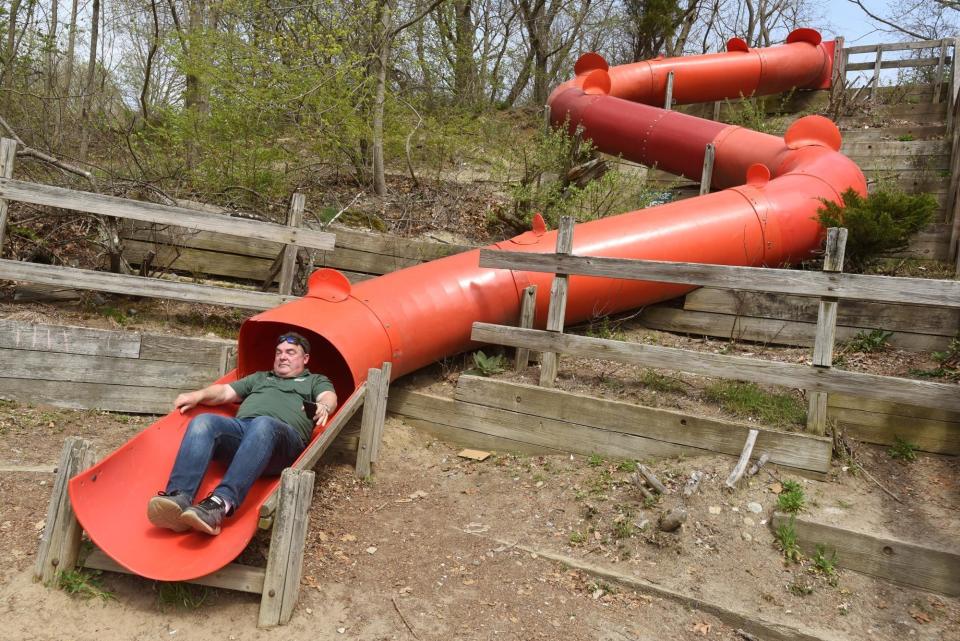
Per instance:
(604,328)
(487,365)
(786,536)
(623,529)
(869,342)
(791,499)
(595,460)
(627,466)
(549,187)
(577,537)
(882,222)
(183,596)
(902,450)
(905,138)
(824,564)
(948,363)
(749,400)
(85,584)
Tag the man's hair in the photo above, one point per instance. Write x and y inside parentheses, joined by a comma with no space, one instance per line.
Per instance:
(295,339)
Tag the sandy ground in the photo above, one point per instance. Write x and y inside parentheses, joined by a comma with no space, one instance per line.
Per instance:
(435,547)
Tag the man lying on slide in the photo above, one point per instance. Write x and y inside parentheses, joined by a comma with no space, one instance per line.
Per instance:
(269,432)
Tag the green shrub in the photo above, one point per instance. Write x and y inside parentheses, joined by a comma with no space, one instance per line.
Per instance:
(902,450)
(786,536)
(869,342)
(791,499)
(486,365)
(882,222)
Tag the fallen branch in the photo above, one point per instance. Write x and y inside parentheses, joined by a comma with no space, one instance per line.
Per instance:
(345,208)
(403,618)
(741,466)
(26,151)
(651,478)
(638,483)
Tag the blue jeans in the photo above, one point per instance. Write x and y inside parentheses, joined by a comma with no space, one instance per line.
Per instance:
(251,447)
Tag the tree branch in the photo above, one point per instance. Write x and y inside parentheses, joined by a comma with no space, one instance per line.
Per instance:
(887,22)
(27,151)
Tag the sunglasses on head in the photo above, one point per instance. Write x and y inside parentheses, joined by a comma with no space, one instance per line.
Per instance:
(294,340)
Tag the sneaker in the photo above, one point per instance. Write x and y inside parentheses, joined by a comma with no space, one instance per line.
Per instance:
(164,510)
(206,516)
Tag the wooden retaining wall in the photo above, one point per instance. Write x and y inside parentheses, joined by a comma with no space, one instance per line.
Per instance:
(358,254)
(782,319)
(85,368)
(501,415)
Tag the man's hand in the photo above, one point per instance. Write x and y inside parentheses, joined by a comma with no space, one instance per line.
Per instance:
(187,401)
(216,394)
(322,415)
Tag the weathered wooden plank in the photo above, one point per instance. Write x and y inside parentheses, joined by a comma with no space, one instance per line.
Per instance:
(8,155)
(193,239)
(528,308)
(726,437)
(242,578)
(368,428)
(162,214)
(826,329)
(68,340)
(931,165)
(893,46)
(890,134)
(928,435)
(28,293)
(60,543)
(137,285)
(361,261)
(559,435)
(941,322)
(83,368)
(558,302)
(884,557)
(383,394)
(912,148)
(906,63)
(706,177)
(737,367)
(184,349)
(389,245)
(197,261)
(766,330)
(915,291)
(456,435)
(288,266)
(115,398)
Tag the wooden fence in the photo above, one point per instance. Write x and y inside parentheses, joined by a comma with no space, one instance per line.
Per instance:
(123,371)
(820,379)
(290,237)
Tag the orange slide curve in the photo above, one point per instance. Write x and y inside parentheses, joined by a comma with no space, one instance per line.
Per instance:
(764,215)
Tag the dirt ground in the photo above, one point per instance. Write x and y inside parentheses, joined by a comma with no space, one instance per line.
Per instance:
(435,546)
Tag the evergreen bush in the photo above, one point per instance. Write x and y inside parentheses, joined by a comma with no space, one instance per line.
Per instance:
(880,223)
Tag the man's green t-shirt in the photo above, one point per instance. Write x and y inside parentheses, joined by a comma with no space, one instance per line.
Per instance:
(266,394)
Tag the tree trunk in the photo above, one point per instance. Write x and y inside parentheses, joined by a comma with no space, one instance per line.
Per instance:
(89,84)
(10,53)
(51,70)
(465,70)
(71,48)
(379,101)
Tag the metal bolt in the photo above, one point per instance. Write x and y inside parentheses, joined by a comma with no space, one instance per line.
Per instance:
(55,562)
(272,593)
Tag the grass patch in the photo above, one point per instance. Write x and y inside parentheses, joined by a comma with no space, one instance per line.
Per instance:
(182,596)
(823,563)
(595,460)
(786,536)
(577,537)
(902,450)
(623,529)
(484,365)
(660,382)
(627,466)
(85,584)
(791,499)
(749,400)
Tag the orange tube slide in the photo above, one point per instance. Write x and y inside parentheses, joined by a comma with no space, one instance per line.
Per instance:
(413,317)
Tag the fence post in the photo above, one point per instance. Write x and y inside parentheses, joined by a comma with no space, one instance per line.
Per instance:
(527,309)
(706,177)
(374,414)
(826,329)
(876,74)
(668,97)
(8,152)
(839,68)
(938,76)
(294,218)
(558,302)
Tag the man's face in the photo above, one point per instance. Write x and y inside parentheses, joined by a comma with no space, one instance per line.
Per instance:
(289,360)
